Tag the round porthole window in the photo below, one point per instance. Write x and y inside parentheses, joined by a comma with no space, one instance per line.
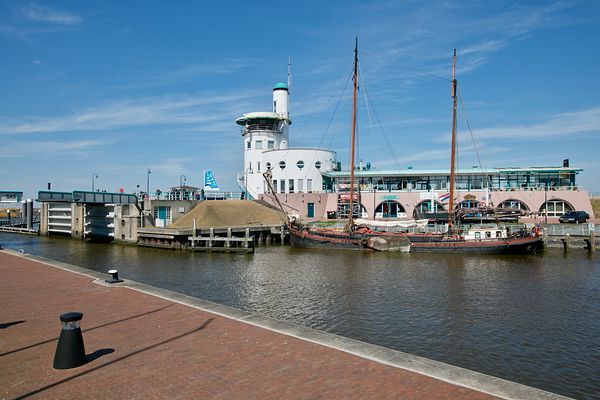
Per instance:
(300,164)
(318,165)
(268,165)
(282,164)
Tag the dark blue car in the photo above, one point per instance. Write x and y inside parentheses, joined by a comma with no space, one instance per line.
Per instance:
(574,217)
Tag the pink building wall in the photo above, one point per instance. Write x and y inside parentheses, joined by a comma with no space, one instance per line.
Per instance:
(534,199)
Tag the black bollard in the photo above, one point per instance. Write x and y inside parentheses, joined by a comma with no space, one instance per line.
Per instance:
(114,278)
(70,352)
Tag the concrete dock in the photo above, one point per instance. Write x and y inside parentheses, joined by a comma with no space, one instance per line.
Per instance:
(148,343)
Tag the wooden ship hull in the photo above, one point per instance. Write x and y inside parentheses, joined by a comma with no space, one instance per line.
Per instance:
(521,245)
(313,238)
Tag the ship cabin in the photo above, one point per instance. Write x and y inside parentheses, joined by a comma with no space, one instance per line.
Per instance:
(486,234)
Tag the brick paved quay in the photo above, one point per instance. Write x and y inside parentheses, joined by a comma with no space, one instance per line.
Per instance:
(151,346)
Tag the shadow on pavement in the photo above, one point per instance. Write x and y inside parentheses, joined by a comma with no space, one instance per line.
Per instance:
(37,391)
(9,324)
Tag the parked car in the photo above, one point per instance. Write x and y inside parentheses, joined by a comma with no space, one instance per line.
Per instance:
(574,216)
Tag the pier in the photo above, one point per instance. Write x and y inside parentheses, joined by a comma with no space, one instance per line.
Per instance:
(177,346)
(571,236)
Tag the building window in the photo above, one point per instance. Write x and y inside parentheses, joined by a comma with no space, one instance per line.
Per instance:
(300,185)
(425,207)
(248,145)
(514,204)
(258,145)
(468,204)
(282,186)
(282,164)
(390,209)
(309,185)
(275,185)
(555,208)
(163,212)
(291,185)
(318,165)
(270,144)
(300,164)
(258,166)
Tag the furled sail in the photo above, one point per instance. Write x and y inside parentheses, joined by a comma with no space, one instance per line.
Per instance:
(413,223)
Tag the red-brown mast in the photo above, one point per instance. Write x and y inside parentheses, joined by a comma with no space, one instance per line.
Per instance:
(453,152)
(353,137)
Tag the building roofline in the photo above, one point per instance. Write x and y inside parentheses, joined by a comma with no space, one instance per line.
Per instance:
(261,115)
(300,148)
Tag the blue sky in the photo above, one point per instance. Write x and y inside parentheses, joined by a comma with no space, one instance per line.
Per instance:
(115,88)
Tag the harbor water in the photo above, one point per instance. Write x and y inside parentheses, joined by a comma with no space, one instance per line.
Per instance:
(529,319)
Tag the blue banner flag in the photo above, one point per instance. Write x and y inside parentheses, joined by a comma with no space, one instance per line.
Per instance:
(209,181)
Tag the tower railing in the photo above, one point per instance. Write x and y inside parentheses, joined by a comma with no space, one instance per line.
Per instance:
(259,128)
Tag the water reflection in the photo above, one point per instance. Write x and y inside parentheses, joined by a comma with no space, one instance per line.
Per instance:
(531,319)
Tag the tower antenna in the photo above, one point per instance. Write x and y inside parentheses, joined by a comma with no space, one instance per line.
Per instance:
(289,82)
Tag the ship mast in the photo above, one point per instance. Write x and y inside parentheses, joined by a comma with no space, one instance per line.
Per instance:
(453,151)
(353,137)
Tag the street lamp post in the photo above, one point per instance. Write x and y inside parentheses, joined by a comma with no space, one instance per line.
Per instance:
(94,177)
(546,204)
(248,170)
(182,179)
(148,183)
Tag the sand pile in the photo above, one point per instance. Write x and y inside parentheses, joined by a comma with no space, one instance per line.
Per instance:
(596,207)
(223,213)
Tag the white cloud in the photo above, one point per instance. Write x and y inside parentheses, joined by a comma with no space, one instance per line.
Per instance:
(175,110)
(577,122)
(187,73)
(52,148)
(38,13)
(28,19)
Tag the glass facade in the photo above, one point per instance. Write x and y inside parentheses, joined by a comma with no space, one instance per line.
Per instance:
(502,180)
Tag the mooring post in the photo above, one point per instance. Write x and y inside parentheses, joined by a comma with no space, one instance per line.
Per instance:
(545,236)
(247,235)
(211,235)
(228,241)
(282,234)
(592,243)
(566,242)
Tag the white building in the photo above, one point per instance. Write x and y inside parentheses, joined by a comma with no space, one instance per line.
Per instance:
(266,139)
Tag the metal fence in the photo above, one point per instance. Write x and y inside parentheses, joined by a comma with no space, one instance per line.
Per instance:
(569,229)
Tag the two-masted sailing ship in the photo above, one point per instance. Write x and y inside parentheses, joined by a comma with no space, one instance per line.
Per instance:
(482,239)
